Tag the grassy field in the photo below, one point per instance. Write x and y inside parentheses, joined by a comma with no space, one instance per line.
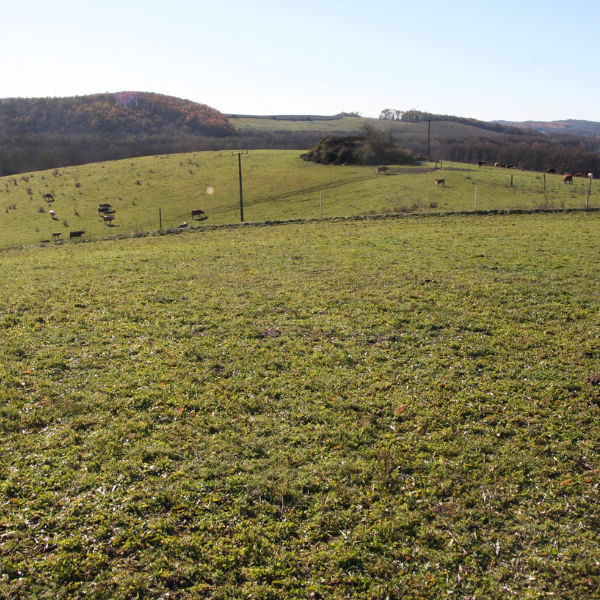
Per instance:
(368,409)
(345,125)
(278,185)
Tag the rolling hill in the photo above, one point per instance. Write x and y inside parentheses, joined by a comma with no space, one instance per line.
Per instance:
(42,133)
(146,192)
(569,126)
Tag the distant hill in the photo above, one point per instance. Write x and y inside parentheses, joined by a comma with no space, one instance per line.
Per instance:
(570,126)
(444,137)
(42,133)
(46,133)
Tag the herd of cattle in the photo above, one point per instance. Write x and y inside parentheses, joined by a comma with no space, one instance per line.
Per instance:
(106,211)
(567,178)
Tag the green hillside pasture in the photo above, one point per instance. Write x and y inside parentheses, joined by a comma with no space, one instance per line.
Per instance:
(278,185)
(343,126)
(371,409)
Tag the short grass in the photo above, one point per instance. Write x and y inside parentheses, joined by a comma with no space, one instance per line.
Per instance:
(345,125)
(368,409)
(277,185)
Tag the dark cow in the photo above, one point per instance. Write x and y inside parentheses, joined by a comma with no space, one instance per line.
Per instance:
(56,236)
(48,197)
(551,171)
(108,218)
(197,213)
(104,205)
(440,182)
(76,234)
(481,163)
(382,169)
(568,178)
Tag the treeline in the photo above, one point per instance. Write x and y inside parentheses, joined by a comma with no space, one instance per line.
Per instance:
(42,133)
(457,139)
(418,116)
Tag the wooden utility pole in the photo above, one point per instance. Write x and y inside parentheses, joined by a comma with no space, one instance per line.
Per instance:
(239,155)
(428,139)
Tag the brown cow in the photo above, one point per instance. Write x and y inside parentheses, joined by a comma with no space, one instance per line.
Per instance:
(56,236)
(108,218)
(568,178)
(382,169)
(440,182)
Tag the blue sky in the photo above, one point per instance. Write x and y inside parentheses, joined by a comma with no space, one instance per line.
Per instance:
(512,60)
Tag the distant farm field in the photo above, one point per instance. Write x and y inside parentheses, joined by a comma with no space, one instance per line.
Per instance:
(368,409)
(147,193)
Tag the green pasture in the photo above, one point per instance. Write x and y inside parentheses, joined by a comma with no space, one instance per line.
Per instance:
(277,185)
(383,408)
(345,125)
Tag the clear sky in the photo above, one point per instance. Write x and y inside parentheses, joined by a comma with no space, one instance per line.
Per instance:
(509,59)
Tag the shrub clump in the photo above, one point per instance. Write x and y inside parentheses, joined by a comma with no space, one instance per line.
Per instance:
(358,150)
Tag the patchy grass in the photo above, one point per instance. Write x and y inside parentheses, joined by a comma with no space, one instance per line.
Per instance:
(278,185)
(391,408)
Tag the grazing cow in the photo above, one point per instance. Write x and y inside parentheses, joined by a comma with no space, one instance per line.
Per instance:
(568,178)
(197,213)
(510,167)
(48,197)
(52,213)
(440,182)
(579,175)
(551,171)
(76,234)
(481,163)
(108,218)
(382,169)
(497,165)
(184,225)
(56,236)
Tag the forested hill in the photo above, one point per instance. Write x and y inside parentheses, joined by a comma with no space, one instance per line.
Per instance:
(569,126)
(42,133)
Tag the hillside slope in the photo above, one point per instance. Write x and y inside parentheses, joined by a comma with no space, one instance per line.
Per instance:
(277,185)
(569,126)
(42,133)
